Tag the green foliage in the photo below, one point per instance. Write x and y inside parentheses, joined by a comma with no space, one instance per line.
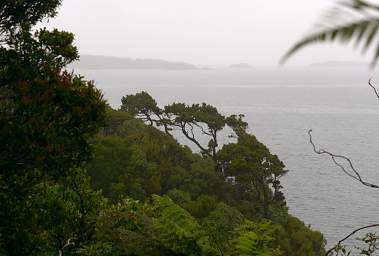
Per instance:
(178,196)
(204,180)
(196,113)
(249,161)
(178,230)
(303,240)
(43,132)
(114,121)
(370,247)
(54,213)
(255,169)
(47,114)
(162,228)
(105,174)
(237,124)
(25,12)
(47,117)
(205,118)
(221,224)
(358,27)
(371,244)
(147,161)
(68,210)
(256,239)
(145,107)
(202,206)
(140,103)
(103,249)
(127,227)
(144,161)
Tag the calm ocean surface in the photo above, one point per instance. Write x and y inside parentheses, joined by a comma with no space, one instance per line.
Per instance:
(280,106)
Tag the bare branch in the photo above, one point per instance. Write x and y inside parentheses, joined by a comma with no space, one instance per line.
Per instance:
(202,129)
(353,173)
(191,137)
(348,236)
(68,243)
(373,87)
(191,130)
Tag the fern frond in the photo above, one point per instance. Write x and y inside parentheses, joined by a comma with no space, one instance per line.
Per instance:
(256,239)
(178,230)
(252,244)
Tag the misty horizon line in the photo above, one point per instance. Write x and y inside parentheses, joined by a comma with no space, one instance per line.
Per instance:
(90,60)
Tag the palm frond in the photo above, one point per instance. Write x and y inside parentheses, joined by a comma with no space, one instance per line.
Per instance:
(363,30)
(360,5)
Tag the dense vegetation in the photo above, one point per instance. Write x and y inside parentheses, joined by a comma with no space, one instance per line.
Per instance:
(79,178)
(234,202)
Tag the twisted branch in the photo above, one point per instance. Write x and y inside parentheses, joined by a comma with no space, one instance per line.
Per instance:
(353,173)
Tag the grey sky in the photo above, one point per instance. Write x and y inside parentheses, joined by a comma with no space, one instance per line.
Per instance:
(202,32)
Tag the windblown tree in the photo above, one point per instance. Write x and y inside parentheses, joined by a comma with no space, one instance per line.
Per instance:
(144,107)
(352,21)
(193,121)
(196,120)
(247,164)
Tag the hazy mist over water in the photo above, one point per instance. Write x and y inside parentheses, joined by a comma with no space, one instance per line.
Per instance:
(280,106)
(212,32)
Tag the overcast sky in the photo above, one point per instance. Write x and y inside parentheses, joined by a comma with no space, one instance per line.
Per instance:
(202,32)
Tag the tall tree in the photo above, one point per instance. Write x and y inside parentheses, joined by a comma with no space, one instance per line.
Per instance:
(47,115)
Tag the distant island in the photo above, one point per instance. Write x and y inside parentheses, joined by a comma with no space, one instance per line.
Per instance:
(339,64)
(240,65)
(108,62)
